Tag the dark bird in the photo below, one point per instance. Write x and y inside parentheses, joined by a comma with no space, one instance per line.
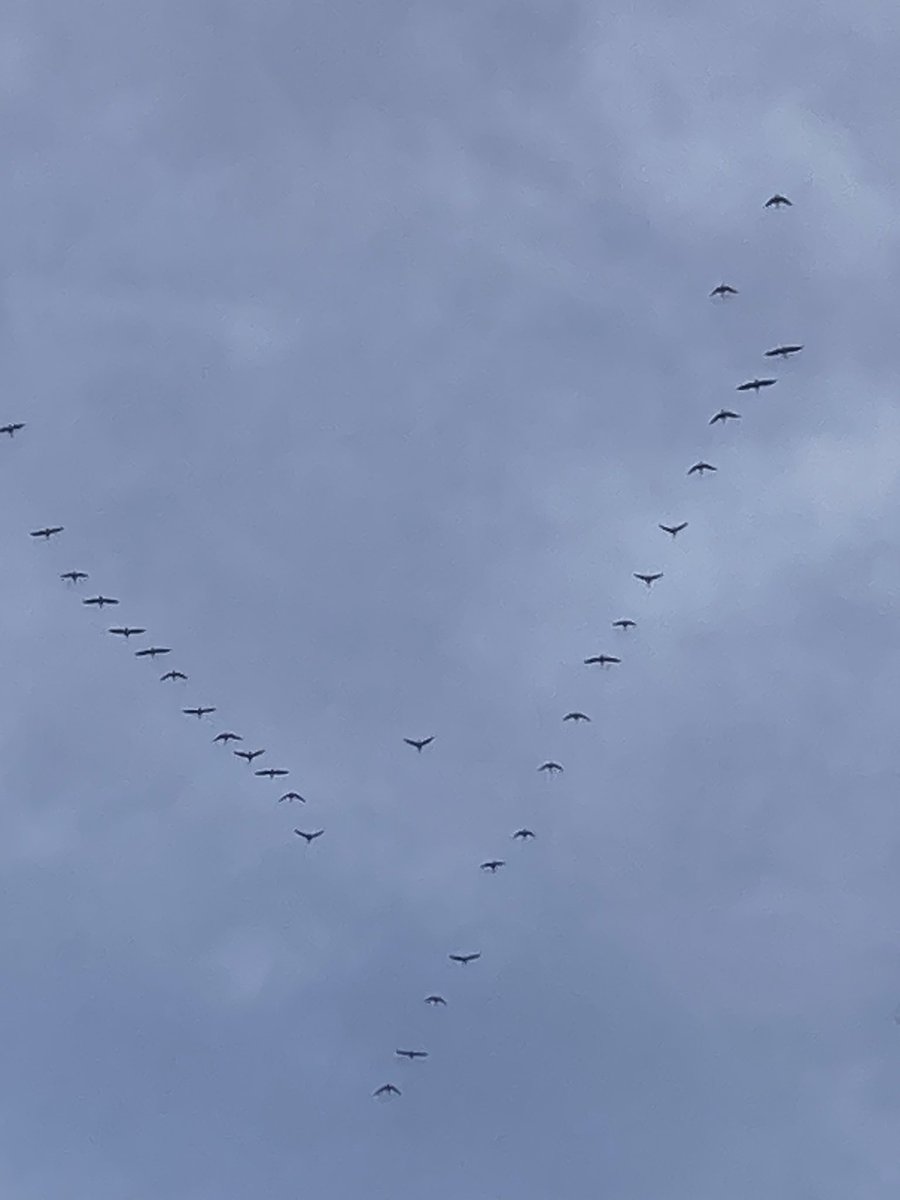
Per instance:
(411,1054)
(272,772)
(648,579)
(291,796)
(199,711)
(700,467)
(13,428)
(626,623)
(603,659)
(226,737)
(724,289)
(576,716)
(419,745)
(753,385)
(550,766)
(524,834)
(387,1089)
(465,959)
(777,201)
(674,530)
(74,576)
(99,601)
(249,755)
(152,651)
(126,631)
(310,837)
(783,351)
(47,532)
(492,865)
(434,1001)
(725,415)
(172,675)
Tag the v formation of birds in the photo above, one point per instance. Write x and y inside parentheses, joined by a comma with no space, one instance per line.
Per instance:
(76,577)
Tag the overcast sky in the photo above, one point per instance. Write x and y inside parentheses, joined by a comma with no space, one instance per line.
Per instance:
(361,348)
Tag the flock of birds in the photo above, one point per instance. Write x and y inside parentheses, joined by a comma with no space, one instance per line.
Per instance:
(226,737)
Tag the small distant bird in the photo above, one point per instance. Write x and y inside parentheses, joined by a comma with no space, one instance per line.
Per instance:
(700,467)
(524,834)
(783,351)
(387,1089)
(74,576)
(648,579)
(576,716)
(550,766)
(419,745)
(248,755)
(753,385)
(199,711)
(602,659)
(725,415)
(99,601)
(47,532)
(291,796)
(777,201)
(724,289)
(152,651)
(226,737)
(172,675)
(434,1001)
(492,865)
(13,428)
(310,837)
(465,959)
(411,1054)
(272,772)
(626,623)
(674,530)
(126,631)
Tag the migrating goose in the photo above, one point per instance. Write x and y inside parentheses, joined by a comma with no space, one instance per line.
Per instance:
(753,385)
(777,201)
(419,745)
(725,415)
(648,579)
(74,576)
(492,865)
(603,659)
(411,1054)
(172,675)
(309,837)
(783,351)
(576,716)
(291,797)
(550,766)
(126,631)
(434,1001)
(226,737)
(12,428)
(523,834)
(626,623)
(465,959)
(248,755)
(674,530)
(199,711)
(99,601)
(387,1089)
(272,772)
(152,651)
(724,289)
(700,467)
(47,532)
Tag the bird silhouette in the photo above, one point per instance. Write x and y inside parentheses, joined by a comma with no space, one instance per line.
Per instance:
(648,579)
(674,530)
(12,428)
(309,837)
(126,631)
(603,660)
(465,959)
(199,711)
(419,745)
(753,385)
(550,766)
(74,576)
(700,467)
(248,755)
(576,716)
(99,601)
(227,737)
(783,351)
(492,865)
(725,415)
(434,1001)
(172,675)
(47,532)
(291,796)
(626,623)
(523,835)
(272,772)
(777,201)
(411,1054)
(152,652)
(724,289)
(387,1089)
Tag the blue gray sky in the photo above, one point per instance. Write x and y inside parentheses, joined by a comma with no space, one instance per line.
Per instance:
(361,349)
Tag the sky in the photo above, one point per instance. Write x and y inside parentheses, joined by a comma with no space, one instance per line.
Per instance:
(361,349)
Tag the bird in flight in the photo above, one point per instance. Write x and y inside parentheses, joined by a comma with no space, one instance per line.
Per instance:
(783,351)
(434,1001)
(725,415)
(126,631)
(753,385)
(465,959)
(272,772)
(226,737)
(12,428)
(199,711)
(411,1054)
(576,716)
(309,837)
(700,467)
(387,1089)
(172,675)
(648,579)
(152,651)
(248,755)
(674,530)
(550,766)
(74,576)
(603,659)
(419,745)
(777,201)
(492,865)
(99,601)
(47,532)
(523,834)
(724,289)
(626,623)
(291,796)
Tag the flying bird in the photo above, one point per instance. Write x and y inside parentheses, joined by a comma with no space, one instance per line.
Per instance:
(74,576)
(626,623)
(492,865)
(12,428)
(411,1054)
(310,837)
(603,659)
(172,675)
(291,796)
(419,745)
(434,1001)
(777,201)
(272,772)
(99,601)
(465,959)
(199,711)
(725,415)
(753,385)
(524,834)
(126,631)
(550,766)
(674,530)
(648,579)
(249,755)
(226,737)
(724,289)
(576,716)
(783,351)
(47,532)
(152,651)
(387,1089)
(700,467)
